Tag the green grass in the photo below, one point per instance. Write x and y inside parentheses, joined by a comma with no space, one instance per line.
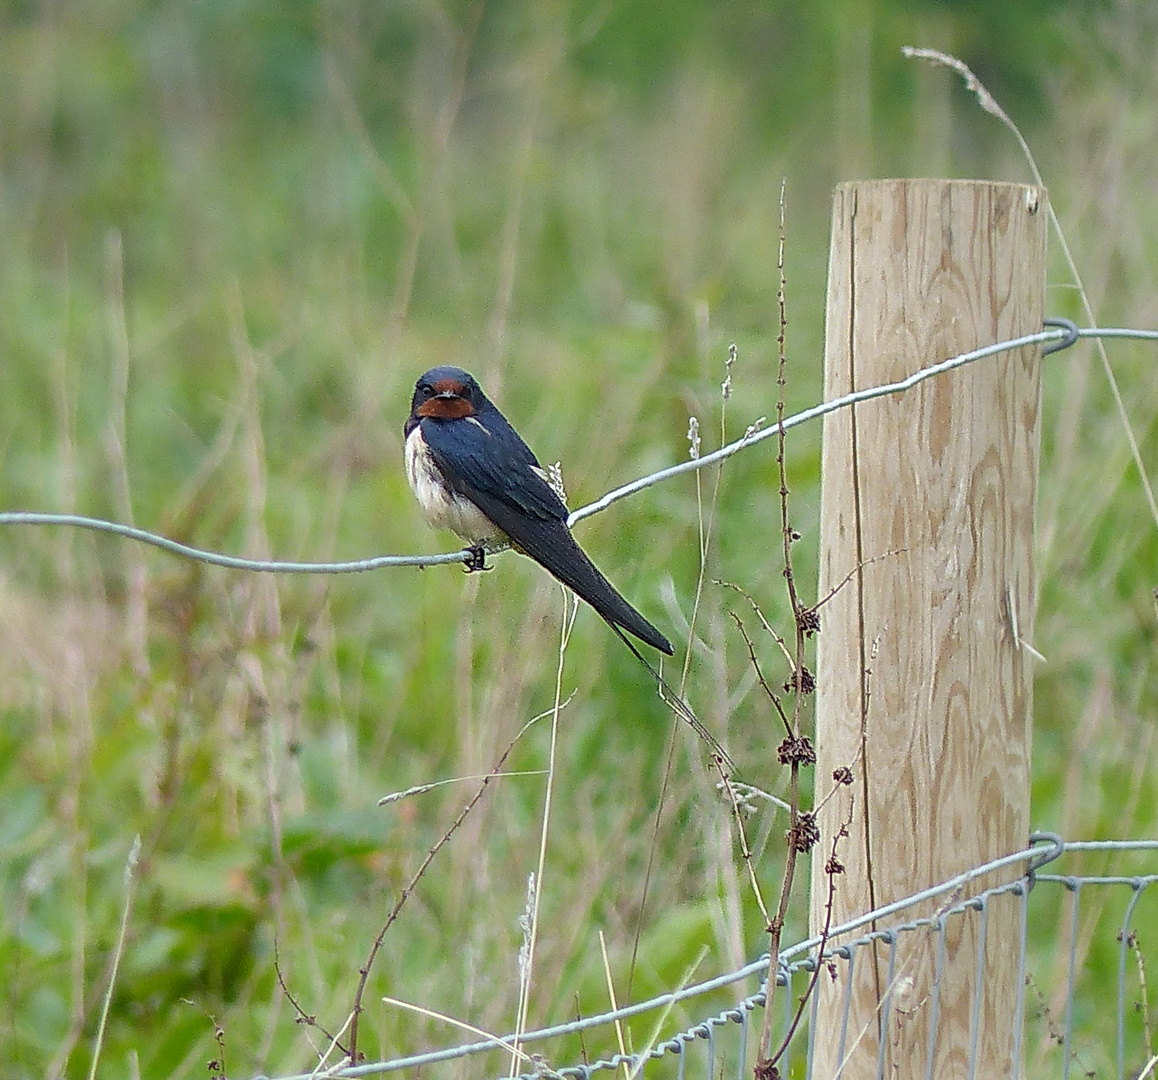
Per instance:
(288,213)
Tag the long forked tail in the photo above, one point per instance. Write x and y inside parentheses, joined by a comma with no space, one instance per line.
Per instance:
(557,550)
(552,545)
(678,706)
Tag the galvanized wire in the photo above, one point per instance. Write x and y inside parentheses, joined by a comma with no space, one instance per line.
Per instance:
(799,962)
(1060,334)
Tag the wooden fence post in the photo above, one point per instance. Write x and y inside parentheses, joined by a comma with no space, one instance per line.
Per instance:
(922,688)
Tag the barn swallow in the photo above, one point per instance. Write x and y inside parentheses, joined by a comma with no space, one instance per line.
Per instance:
(472,473)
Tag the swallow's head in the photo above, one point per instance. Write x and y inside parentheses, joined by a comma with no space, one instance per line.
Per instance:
(446,393)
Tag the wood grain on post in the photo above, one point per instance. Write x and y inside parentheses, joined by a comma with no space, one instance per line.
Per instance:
(928,502)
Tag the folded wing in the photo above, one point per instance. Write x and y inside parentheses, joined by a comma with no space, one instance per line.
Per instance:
(486,461)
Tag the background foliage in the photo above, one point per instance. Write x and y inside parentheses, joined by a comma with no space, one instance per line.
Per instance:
(233,235)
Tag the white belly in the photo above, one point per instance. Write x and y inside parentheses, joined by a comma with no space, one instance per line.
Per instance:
(442,507)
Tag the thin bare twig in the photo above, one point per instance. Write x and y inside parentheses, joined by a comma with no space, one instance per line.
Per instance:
(304,1018)
(1144,994)
(802,830)
(745,850)
(768,627)
(396,910)
(760,674)
(832,868)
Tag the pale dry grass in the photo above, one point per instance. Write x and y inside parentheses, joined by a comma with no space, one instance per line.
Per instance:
(275,713)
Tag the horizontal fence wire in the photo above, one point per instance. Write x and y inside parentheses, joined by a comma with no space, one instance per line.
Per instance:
(1059,334)
(720,1045)
(720,1042)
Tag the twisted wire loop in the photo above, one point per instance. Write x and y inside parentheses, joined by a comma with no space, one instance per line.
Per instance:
(724,1057)
(1059,334)
(1071,335)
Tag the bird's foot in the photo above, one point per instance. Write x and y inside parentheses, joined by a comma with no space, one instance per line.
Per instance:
(476,559)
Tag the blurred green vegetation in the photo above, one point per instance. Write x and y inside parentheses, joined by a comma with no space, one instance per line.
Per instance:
(263,219)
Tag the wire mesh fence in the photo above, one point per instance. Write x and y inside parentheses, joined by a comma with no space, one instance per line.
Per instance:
(1082,1004)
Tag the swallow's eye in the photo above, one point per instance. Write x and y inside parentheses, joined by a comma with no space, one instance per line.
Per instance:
(426,390)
